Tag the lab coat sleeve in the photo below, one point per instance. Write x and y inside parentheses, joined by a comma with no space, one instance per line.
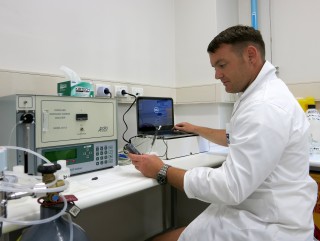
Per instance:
(258,138)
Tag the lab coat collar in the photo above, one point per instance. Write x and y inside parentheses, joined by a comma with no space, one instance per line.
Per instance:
(268,71)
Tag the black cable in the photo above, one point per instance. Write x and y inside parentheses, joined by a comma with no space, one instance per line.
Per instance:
(165,155)
(135,137)
(123,92)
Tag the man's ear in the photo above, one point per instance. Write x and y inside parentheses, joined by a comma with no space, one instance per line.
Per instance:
(252,54)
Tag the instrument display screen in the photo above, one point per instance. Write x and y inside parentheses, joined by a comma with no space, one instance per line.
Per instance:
(82,158)
(66,154)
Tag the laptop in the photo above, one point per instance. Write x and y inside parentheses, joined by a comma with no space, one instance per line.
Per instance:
(155,115)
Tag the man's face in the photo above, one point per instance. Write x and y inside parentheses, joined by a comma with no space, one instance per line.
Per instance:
(232,68)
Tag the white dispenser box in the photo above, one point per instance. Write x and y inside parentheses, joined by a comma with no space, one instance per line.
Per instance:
(173,147)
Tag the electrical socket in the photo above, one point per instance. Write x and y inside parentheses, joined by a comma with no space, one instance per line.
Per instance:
(137,91)
(100,90)
(118,90)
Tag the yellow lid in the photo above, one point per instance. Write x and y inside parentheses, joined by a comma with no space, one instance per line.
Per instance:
(303,104)
(310,100)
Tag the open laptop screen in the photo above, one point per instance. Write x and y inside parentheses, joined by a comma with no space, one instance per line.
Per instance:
(153,112)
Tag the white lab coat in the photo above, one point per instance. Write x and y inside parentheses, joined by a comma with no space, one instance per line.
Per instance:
(263,191)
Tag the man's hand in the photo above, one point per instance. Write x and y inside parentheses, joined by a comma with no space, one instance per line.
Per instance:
(186,127)
(148,165)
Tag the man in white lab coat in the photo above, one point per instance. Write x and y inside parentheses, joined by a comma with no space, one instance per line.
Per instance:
(263,190)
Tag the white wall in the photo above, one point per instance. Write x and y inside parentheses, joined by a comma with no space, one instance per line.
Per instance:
(195,26)
(264,23)
(158,42)
(227,14)
(289,28)
(295,32)
(119,40)
(197,23)
(295,36)
(214,115)
(154,42)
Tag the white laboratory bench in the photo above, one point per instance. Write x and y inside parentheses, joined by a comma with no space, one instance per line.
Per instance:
(104,194)
(314,161)
(103,186)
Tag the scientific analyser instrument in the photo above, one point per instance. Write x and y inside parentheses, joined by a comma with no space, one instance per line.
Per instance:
(82,131)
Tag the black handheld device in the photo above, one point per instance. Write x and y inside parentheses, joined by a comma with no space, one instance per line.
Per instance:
(129,148)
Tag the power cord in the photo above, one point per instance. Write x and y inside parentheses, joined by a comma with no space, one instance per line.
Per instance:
(135,137)
(166,151)
(106,91)
(145,140)
(123,92)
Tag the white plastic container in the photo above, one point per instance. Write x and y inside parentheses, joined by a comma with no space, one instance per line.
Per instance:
(314,139)
(64,172)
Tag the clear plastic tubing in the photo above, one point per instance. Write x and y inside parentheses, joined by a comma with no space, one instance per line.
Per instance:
(40,221)
(41,157)
(58,189)
(34,190)
(28,150)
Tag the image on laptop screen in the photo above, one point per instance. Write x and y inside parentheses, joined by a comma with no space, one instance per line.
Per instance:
(153,112)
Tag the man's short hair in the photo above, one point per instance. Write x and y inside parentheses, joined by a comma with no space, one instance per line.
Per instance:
(238,36)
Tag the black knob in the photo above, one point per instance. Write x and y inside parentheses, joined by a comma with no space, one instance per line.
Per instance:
(27,118)
(48,168)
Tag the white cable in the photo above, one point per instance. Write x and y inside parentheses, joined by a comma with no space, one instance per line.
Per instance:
(38,155)
(23,179)
(70,225)
(28,150)
(12,130)
(270,25)
(35,190)
(22,175)
(6,188)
